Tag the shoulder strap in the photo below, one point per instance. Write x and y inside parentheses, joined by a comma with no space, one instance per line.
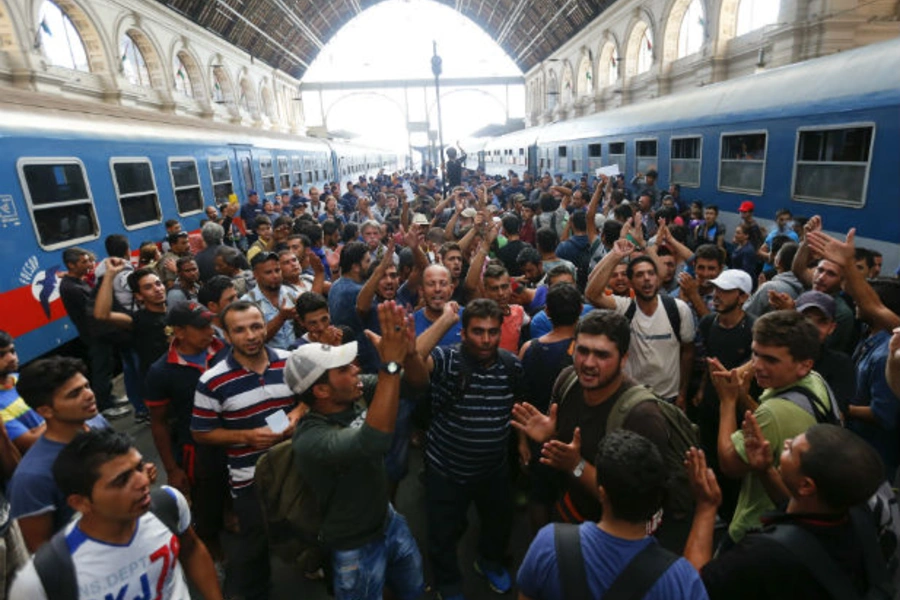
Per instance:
(165,508)
(811,403)
(564,387)
(641,574)
(570,560)
(629,312)
(806,548)
(876,569)
(672,312)
(55,569)
(627,401)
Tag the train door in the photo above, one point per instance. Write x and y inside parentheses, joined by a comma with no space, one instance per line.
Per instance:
(532,167)
(243,158)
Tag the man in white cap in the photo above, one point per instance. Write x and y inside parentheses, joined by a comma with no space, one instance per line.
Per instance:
(726,335)
(340,450)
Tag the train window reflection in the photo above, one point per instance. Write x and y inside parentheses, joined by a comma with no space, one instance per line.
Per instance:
(284,173)
(617,155)
(832,164)
(645,155)
(220,173)
(685,161)
(136,191)
(59,198)
(268,175)
(742,163)
(186,183)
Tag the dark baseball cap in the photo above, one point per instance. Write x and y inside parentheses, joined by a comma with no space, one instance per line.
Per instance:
(189,314)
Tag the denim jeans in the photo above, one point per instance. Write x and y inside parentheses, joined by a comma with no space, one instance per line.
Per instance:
(394,560)
(250,560)
(131,371)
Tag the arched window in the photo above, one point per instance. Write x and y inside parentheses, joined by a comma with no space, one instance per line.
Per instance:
(753,14)
(693,27)
(182,80)
(645,52)
(59,40)
(219,85)
(133,66)
(613,75)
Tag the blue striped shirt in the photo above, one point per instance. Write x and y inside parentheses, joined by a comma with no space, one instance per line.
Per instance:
(231,397)
(468,436)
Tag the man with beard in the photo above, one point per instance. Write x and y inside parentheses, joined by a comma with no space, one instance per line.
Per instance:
(473,387)
(576,422)
(274,299)
(233,400)
(661,327)
(452,258)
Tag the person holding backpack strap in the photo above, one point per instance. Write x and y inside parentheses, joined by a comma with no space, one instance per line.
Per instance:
(128,542)
(823,547)
(614,559)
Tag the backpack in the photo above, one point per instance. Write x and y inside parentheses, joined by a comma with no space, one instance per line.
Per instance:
(291,510)
(884,509)
(671,308)
(809,402)
(632,583)
(53,561)
(683,434)
(807,549)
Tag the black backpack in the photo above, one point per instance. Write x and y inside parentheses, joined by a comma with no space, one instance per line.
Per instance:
(671,308)
(53,561)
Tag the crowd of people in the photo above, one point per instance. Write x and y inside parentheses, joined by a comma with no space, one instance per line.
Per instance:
(679,413)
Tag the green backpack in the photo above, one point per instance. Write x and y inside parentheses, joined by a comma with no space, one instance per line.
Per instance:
(683,434)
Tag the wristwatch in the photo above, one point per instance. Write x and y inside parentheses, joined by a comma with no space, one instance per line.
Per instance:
(391,368)
(578,470)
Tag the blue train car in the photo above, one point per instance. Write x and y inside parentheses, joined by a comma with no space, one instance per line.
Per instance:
(819,137)
(72,177)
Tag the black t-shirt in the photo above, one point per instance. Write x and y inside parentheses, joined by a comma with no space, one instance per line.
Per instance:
(150,340)
(508,255)
(839,371)
(454,170)
(645,419)
(76,297)
(758,567)
(730,346)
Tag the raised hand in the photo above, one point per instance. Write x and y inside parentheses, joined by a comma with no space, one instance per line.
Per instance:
(535,424)
(757,447)
(393,343)
(623,247)
(702,480)
(834,250)
(563,457)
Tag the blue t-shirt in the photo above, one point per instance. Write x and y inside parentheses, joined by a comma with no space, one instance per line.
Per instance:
(453,336)
(872,390)
(17,416)
(790,233)
(541,325)
(605,556)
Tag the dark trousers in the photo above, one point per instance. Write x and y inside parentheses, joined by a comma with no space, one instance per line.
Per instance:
(102,356)
(447,505)
(249,561)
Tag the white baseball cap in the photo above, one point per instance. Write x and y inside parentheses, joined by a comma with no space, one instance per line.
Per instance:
(308,362)
(734,279)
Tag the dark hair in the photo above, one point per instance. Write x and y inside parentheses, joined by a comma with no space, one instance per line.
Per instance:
(629,272)
(786,251)
(712,207)
(613,326)
(72,255)
(846,469)
(232,257)
(352,254)
(652,173)
(623,212)
(237,306)
(481,308)
(134,278)
(77,466)
(182,261)
(511,223)
(560,269)
(283,220)
(310,302)
(263,257)
(864,254)
(667,213)
(563,304)
(546,239)
(528,255)
(494,270)
(888,290)
(788,329)
(213,289)
(174,237)
(117,245)
(262,220)
(783,211)
(579,220)
(314,231)
(39,380)
(611,231)
(172,223)
(548,202)
(299,236)
(711,252)
(631,471)
(350,233)
(6,340)
(448,247)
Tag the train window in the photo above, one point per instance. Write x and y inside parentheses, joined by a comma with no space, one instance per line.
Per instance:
(617,155)
(247,173)
(577,158)
(595,154)
(59,197)
(685,159)
(136,190)
(297,169)
(220,174)
(833,164)
(742,163)
(186,183)
(645,156)
(284,173)
(267,173)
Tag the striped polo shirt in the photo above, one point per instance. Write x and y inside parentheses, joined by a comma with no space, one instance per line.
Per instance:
(468,436)
(231,397)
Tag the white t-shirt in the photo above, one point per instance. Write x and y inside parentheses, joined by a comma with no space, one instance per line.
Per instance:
(146,567)
(654,355)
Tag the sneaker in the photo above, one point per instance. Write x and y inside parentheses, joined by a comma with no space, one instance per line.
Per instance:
(498,580)
(116,401)
(117,412)
(142,418)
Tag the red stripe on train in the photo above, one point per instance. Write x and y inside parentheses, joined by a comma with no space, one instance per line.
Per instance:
(22,313)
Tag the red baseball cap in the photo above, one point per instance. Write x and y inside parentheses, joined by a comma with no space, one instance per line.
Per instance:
(746,206)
